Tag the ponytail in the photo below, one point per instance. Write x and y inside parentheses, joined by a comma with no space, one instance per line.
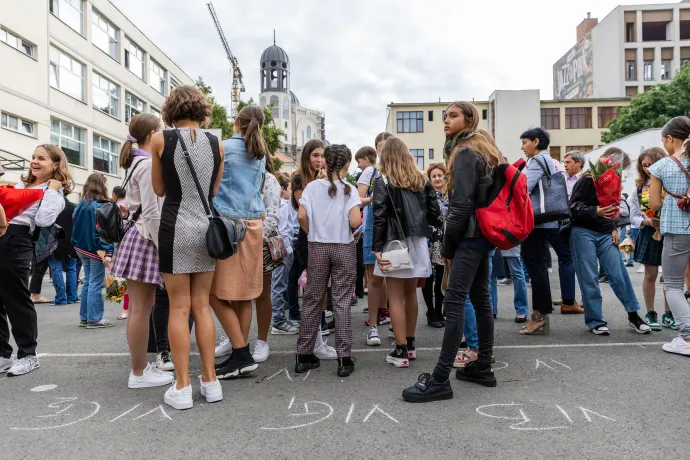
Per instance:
(679,128)
(126,154)
(140,126)
(250,121)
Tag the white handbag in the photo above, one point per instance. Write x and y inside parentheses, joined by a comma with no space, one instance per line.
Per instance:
(399,258)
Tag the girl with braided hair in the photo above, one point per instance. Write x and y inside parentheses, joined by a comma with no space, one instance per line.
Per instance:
(328,211)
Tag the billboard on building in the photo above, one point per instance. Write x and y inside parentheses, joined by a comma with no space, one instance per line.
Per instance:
(573,73)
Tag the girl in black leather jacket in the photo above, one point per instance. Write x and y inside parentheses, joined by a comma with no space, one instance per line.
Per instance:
(470,170)
(403,210)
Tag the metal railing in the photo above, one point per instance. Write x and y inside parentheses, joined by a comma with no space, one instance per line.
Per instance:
(12,162)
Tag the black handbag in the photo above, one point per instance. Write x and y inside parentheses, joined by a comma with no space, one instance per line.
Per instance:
(550,196)
(45,239)
(111,226)
(223,233)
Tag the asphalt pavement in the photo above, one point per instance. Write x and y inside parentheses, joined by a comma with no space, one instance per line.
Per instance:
(568,395)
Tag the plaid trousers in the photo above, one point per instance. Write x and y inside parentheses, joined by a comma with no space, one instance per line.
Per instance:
(337,262)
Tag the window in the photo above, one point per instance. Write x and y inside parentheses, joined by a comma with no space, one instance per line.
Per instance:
(629,32)
(286,108)
(70,139)
(157,76)
(71,12)
(410,122)
(275,110)
(105,35)
(551,118)
(431,154)
(418,155)
(666,69)
(308,132)
(16,42)
(174,83)
(105,155)
(134,58)
(66,74)
(649,70)
(630,70)
(555,152)
(578,117)
(606,115)
(106,95)
(431,115)
(17,124)
(485,114)
(156,112)
(581,148)
(133,106)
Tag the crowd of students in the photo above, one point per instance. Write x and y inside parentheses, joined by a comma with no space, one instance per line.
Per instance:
(398,228)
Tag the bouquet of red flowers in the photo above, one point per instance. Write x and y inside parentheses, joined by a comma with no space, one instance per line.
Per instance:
(607,182)
(16,201)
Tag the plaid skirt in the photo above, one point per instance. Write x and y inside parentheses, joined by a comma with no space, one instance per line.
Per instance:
(136,258)
(647,249)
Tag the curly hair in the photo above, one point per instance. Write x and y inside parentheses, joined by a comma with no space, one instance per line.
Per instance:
(654,154)
(337,156)
(186,103)
(61,173)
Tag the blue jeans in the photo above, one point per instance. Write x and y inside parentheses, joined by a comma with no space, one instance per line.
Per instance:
(279,288)
(65,292)
(583,245)
(493,284)
(470,330)
(519,285)
(91,293)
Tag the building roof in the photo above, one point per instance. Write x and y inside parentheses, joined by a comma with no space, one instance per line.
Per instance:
(590,99)
(284,158)
(295,101)
(275,53)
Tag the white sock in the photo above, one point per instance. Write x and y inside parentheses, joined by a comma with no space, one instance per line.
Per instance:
(319,339)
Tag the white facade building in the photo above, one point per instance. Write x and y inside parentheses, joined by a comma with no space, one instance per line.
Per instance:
(634,48)
(74,72)
(299,123)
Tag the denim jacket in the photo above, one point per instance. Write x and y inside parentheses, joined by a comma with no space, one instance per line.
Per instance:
(239,195)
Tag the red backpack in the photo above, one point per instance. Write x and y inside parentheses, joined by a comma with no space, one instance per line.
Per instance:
(508,218)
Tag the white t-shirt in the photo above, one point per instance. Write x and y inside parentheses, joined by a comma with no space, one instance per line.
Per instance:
(329,216)
(365,178)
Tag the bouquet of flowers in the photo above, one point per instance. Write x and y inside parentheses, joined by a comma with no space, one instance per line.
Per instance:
(16,201)
(649,213)
(115,289)
(607,182)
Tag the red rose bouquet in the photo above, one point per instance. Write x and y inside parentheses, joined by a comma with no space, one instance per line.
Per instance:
(607,182)
(16,201)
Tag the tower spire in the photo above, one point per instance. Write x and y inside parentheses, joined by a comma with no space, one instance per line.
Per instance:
(274,36)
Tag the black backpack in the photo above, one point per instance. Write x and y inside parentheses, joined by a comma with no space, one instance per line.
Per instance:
(109,222)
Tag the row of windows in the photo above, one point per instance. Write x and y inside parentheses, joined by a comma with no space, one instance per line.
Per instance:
(17,42)
(106,37)
(577,117)
(555,151)
(275,109)
(72,140)
(648,70)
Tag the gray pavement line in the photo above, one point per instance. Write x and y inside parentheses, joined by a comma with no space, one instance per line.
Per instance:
(385,349)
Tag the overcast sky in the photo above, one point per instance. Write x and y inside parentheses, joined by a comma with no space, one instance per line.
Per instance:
(351,58)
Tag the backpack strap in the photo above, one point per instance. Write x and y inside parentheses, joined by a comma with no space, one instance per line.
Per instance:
(687,174)
(127,178)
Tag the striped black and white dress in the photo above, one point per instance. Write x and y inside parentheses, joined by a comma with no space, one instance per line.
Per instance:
(182,234)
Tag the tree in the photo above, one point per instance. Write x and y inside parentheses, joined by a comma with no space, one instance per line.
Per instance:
(219,114)
(277,163)
(653,108)
(351,179)
(271,132)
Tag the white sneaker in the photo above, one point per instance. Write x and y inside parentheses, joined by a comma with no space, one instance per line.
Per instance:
(179,399)
(224,348)
(261,351)
(152,377)
(640,269)
(323,351)
(678,346)
(212,391)
(373,338)
(5,364)
(164,361)
(329,314)
(23,366)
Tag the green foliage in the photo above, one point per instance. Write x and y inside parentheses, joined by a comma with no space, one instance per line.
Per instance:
(653,108)
(271,132)
(351,179)
(219,114)
(277,163)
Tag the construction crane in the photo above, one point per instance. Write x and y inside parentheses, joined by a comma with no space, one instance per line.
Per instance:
(237,83)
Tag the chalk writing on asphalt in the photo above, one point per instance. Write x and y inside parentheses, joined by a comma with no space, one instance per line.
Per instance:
(518,418)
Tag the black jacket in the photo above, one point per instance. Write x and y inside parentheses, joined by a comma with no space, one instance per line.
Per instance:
(471,181)
(65,250)
(583,207)
(416,210)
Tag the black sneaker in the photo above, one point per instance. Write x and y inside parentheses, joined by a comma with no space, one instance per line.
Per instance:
(472,373)
(331,325)
(427,390)
(304,363)
(239,363)
(411,352)
(346,366)
(600,330)
(638,324)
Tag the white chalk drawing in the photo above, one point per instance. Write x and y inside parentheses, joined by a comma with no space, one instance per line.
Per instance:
(42,388)
(544,364)
(349,413)
(502,364)
(328,413)
(516,414)
(377,408)
(308,372)
(69,403)
(160,408)
(287,374)
(122,415)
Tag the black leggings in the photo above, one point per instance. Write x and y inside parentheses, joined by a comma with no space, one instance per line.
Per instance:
(158,322)
(38,272)
(431,289)
(469,275)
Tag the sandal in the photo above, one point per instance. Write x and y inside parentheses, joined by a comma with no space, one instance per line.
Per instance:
(122,315)
(541,330)
(40,300)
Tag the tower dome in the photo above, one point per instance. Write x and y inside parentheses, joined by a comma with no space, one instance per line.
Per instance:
(275,69)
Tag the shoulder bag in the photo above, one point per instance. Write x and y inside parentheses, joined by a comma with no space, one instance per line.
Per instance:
(45,239)
(223,233)
(396,251)
(550,196)
(111,226)
(683,201)
(274,246)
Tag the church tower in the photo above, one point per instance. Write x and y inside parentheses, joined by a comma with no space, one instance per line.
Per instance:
(275,86)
